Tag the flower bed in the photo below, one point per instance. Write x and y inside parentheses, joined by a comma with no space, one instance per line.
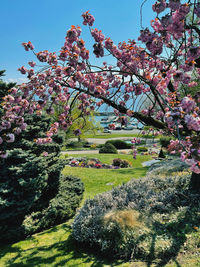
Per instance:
(95,163)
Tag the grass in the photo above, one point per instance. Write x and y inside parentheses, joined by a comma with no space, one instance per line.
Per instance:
(101,180)
(54,247)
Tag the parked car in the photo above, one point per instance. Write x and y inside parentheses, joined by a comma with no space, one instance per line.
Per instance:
(118,127)
(129,128)
(106,130)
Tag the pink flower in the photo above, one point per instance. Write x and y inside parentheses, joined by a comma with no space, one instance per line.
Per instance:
(195,168)
(98,36)
(23,70)
(32,64)
(192,84)
(45,154)
(17,130)
(134,153)
(174,4)
(159,6)
(49,134)
(23,126)
(88,18)
(3,154)
(28,46)
(11,138)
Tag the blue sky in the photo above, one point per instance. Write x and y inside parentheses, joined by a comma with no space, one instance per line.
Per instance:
(45,22)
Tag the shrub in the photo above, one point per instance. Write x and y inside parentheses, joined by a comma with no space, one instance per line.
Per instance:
(108,148)
(61,207)
(120,163)
(78,144)
(165,141)
(107,222)
(166,168)
(142,149)
(161,154)
(22,181)
(119,144)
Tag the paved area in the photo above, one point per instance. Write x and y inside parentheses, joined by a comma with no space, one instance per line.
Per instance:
(100,141)
(70,152)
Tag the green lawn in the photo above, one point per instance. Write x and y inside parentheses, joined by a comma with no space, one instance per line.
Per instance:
(101,180)
(55,247)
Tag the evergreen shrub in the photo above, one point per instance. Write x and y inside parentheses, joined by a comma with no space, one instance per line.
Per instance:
(62,207)
(119,144)
(142,149)
(108,148)
(22,182)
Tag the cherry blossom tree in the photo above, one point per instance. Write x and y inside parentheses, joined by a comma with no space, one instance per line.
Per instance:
(161,65)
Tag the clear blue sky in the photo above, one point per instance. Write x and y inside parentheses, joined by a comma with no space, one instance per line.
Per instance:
(45,22)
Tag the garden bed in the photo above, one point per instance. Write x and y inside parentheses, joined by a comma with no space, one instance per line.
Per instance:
(84,162)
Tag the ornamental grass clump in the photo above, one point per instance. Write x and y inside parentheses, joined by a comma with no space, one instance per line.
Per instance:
(149,218)
(125,218)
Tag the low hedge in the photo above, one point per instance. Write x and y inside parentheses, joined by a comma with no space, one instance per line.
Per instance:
(142,149)
(119,144)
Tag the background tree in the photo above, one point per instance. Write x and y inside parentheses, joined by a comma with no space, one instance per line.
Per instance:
(84,123)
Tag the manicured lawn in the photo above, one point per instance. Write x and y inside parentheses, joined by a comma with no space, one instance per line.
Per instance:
(101,180)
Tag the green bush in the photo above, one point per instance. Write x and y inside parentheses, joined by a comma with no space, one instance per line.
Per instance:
(22,181)
(142,149)
(77,144)
(119,144)
(120,163)
(108,148)
(62,207)
(165,141)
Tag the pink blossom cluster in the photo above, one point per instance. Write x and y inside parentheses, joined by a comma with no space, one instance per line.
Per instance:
(88,18)
(136,140)
(28,46)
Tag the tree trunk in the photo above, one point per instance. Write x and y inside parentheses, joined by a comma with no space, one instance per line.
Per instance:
(195,182)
